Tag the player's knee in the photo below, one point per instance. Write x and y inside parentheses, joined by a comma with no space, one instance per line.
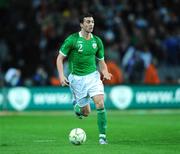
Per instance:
(99,101)
(86,113)
(100,104)
(86,110)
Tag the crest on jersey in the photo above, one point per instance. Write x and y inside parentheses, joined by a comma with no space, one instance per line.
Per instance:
(94,45)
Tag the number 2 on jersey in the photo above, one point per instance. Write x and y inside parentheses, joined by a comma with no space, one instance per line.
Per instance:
(80,48)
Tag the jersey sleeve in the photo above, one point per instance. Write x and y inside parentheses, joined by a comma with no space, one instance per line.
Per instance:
(66,46)
(100,52)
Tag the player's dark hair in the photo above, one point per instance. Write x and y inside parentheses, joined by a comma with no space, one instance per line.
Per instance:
(81,19)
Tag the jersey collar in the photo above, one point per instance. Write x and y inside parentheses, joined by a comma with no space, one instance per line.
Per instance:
(80,35)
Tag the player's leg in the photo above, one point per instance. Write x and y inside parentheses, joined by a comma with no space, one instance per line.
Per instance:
(101,117)
(96,92)
(86,110)
(79,93)
(77,110)
(82,107)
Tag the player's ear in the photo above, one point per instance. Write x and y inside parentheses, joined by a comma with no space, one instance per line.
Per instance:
(81,25)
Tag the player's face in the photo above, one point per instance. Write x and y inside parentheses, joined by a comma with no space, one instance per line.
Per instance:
(88,24)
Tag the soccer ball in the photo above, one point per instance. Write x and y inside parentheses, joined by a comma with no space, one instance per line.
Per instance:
(77,136)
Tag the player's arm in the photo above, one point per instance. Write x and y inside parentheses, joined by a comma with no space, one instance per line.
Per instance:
(102,65)
(63,52)
(104,70)
(59,64)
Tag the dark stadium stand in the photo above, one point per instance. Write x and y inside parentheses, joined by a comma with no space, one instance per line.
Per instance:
(134,33)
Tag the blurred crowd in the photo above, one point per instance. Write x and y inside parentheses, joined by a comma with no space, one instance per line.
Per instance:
(139,37)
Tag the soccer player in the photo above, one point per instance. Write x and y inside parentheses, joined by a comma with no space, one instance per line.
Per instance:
(82,49)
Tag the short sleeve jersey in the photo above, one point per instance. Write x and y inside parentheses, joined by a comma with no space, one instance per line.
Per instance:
(82,53)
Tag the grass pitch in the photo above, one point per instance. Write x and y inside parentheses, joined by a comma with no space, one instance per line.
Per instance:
(129,132)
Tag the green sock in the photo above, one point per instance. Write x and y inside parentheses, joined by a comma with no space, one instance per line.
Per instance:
(101,120)
(77,109)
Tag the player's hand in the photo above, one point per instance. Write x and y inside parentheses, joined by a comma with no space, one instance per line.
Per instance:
(107,76)
(64,81)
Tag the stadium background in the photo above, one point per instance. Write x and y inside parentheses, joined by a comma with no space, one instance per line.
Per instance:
(142,50)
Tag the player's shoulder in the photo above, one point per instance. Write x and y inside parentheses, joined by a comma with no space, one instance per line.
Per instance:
(97,38)
(73,36)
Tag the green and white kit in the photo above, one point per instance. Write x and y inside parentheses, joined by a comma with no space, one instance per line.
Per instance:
(84,79)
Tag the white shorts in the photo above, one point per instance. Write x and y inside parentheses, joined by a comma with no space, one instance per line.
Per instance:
(85,87)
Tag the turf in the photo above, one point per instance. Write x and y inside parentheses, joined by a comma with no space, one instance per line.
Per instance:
(129,132)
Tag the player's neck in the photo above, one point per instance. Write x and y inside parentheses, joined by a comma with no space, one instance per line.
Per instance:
(85,35)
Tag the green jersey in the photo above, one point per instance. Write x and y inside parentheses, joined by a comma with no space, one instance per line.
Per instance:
(82,53)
